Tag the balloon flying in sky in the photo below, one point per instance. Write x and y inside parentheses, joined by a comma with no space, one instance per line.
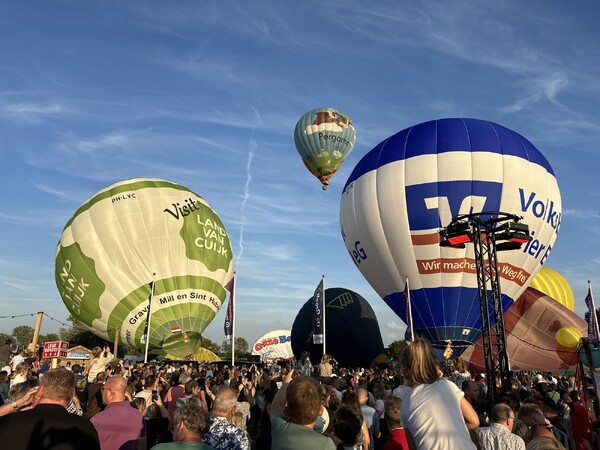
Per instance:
(324,138)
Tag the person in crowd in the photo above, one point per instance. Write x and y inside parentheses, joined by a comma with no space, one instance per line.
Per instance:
(548,408)
(580,419)
(472,395)
(19,358)
(325,369)
(4,387)
(299,402)
(370,417)
(499,434)
(562,406)
(48,425)
(94,396)
(100,359)
(119,426)
(481,381)
(338,383)
(306,367)
(350,398)
(176,392)
(553,389)
(20,373)
(435,413)
(150,385)
(191,389)
(397,438)
(539,391)
(158,422)
(534,424)
(6,353)
(191,423)
(461,372)
(544,443)
(223,435)
(259,425)
(20,397)
(347,427)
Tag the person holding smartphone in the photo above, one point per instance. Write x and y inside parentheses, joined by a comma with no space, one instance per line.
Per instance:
(100,359)
(150,391)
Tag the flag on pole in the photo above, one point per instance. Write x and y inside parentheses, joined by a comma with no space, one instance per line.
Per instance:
(145,333)
(228,328)
(317,329)
(408,336)
(591,318)
(175,329)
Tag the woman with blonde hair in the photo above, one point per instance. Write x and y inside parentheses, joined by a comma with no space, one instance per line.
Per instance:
(325,369)
(435,413)
(20,374)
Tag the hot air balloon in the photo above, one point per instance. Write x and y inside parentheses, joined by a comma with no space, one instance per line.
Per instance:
(553,284)
(411,185)
(138,239)
(352,332)
(324,138)
(535,325)
(274,345)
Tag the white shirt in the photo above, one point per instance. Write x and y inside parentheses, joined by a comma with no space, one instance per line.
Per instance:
(497,436)
(432,415)
(16,360)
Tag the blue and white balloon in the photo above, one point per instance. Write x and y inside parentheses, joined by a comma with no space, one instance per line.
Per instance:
(411,185)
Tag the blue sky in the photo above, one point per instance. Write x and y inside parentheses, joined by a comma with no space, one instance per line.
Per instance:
(206,94)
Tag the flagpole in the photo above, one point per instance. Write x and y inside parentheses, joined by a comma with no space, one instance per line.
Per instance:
(594,317)
(408,306)
(324,318)
(233,324)
(149,320)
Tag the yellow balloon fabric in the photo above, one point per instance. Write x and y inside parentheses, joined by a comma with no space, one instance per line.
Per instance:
(553,284)
(569,336)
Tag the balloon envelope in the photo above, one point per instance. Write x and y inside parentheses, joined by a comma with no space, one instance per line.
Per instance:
(569,336)
(131,234)
(352,334)
(531,326)
(275,344)
(553,284)
(411,185)
(324,138)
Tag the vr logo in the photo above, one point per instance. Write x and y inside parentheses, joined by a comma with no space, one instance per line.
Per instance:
(432,205)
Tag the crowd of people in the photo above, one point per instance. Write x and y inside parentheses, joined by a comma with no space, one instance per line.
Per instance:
(418,403)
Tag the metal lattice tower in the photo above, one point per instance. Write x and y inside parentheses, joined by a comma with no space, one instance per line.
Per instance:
(493,334)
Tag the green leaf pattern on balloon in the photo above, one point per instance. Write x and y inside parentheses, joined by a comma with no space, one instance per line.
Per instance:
(79,284)
(206,239)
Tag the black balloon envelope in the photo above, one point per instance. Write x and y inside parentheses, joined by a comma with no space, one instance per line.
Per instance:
(352,334)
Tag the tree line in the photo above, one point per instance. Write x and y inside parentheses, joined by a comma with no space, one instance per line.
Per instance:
(78,334)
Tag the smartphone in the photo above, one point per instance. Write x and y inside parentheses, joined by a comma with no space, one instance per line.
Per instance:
(154,395)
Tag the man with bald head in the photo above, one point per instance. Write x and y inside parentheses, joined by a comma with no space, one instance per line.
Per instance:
(119,426)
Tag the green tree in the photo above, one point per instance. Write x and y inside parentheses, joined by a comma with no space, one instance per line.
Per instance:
(241,348)
(4,337)
(78,334)
(23,335)
(393,350)
(210,345)
(50,337)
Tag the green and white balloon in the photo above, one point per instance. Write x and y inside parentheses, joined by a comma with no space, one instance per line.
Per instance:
(134,233)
